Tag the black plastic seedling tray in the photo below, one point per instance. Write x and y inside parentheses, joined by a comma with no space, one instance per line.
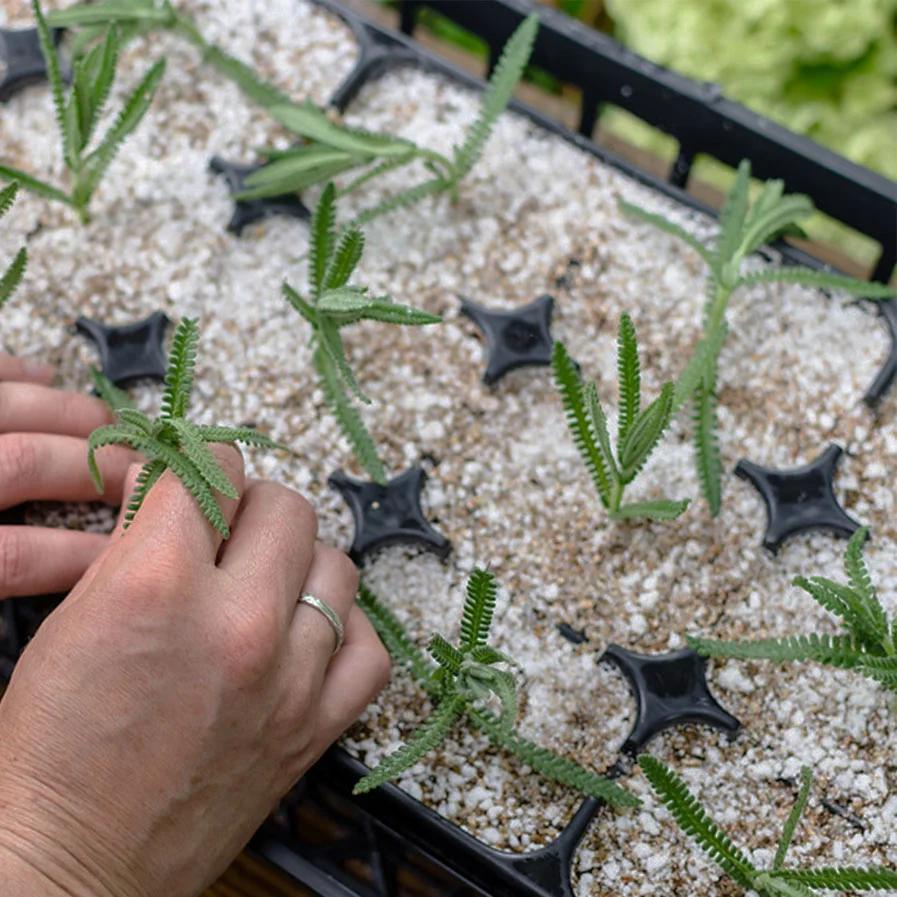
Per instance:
(386,844)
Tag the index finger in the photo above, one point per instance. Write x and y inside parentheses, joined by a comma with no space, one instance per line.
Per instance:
(24,370)
(172,518)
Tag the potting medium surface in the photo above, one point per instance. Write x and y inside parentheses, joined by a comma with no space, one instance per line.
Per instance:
(505,483)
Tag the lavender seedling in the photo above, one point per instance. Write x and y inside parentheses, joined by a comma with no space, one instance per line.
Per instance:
(462,676)
(638,432)
(332,304)
(136,17)
(870,645)
(329,149)
(743,228)
(12,276)
(692,818)
(77,116)
(170,442)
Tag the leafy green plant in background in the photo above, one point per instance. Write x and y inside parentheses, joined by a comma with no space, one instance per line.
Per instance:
(744,227)
(692,818)
(329,149)
(638,432)
(460,678)
(92,78)
(12,276)
(869,647)
(821,68)
(170,442)
(332,304)
(136,17)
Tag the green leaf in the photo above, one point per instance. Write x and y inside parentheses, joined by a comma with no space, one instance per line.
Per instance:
(146,479)
(570,388)
(507,73)
(832,649)
(246,435)
(48,49)
(105,62)
(768,221)
(8,197)
(129,415)
(694,821)
(135,108)
(548,764)
(374,172)
(661,509)
(348,254)
(793,817)
(105,13)
(344,300)
(329,339)
(645,433)
(34,185)
(810,277)
(479,606)
(110,434)
(731,220)
(428,736)
(401,200)
(312,123)
(181,365)
(865,625)
(295,170)
(348,418)
(245,77)
(702,362)
(492,681)
(486,654)
(845,878)
(321,239)
(707,457)
(445,654)
(206,463)
(628,371)
(114,397)
(192,478)
(13,275)
(304,309)
(598,425)
(387,312)
(669,227)
(394,636)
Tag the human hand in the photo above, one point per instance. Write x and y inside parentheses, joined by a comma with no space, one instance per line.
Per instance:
(176,694)
(43,457)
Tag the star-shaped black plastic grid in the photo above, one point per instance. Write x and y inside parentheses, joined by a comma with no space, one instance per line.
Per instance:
(247,212)
(21,60)
(514,339)
(888,372)
(131,351)
(670,689)
(388,514)
(799,499)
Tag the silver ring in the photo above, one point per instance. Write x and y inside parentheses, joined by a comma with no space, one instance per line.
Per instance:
(332,617)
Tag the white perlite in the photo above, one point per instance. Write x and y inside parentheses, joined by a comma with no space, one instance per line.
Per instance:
(507,485)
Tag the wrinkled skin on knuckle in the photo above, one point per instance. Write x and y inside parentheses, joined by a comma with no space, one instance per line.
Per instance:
(19,462)
(295,514)
(13,562)
(246,637)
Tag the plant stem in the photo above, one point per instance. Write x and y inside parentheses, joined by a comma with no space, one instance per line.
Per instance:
(616,496)
(717,309)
